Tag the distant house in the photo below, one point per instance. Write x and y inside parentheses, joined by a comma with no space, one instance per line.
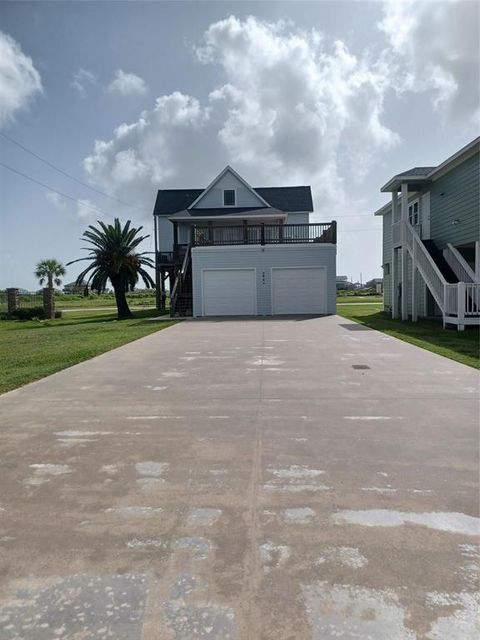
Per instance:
(232,249)
(431,241)
(343,283)
(73,287)
(375,283)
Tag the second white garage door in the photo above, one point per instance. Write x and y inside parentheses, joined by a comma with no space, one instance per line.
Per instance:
(299,290)
(229,292)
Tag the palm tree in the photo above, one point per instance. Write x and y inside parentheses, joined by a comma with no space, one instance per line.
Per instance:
(49,271)
(112,257)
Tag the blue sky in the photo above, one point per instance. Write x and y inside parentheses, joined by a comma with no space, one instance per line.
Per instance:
(338,95)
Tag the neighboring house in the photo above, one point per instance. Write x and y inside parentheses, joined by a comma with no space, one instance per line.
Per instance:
(233,250)
(343,283)
(375,283)
(431,249)
(73,287)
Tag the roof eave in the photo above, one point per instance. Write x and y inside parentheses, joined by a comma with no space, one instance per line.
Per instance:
(396,182)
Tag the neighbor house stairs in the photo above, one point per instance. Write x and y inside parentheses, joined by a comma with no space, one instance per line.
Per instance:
(448,276)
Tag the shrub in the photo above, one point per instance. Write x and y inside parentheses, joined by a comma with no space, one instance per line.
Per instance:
(31,313)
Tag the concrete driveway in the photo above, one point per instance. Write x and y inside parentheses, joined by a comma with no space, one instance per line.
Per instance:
(243,480)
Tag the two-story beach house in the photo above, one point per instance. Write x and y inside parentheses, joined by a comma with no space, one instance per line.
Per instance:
(431,241)
(235,250)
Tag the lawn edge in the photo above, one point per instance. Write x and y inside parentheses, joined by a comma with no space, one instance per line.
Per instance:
(410,340)
(81,362)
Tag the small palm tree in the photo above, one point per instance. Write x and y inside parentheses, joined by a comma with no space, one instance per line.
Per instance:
(49,271)
(112,257)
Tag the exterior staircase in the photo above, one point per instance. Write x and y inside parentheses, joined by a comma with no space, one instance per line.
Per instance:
(181,299)
(448,277)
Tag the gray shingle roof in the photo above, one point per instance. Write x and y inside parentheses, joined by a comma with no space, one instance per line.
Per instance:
(185,213)
(417,171)
(170,201)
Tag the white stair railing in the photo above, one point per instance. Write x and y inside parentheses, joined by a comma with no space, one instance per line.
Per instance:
(426,265)
(472,299)
(458,264)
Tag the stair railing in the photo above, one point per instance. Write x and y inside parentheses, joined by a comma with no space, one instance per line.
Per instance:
(426,265)
(179,281)
(458,264)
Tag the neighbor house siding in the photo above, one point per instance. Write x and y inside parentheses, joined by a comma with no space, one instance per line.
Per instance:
(263,259)
(455,197)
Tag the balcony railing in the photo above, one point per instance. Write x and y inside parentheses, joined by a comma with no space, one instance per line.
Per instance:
(212,235)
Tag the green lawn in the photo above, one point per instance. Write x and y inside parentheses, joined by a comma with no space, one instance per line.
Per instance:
(135,299)
(30,350)
(358,299)
(462,346)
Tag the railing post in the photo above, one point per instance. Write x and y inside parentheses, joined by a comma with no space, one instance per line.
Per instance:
(245,232)
(334,232)
(461,306)
(280,232)
(210,232)
(262,233)
(192,235)
(12,300)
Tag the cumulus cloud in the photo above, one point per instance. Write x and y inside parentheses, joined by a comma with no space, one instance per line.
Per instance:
(19,80)
(288,101)
(82,80)
(127,84)
(435,47)
(292,107)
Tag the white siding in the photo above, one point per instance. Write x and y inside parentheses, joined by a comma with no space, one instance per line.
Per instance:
(298,218)
(263,259)
(214,197)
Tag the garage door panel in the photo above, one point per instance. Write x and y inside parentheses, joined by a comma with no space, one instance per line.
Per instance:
(229,292)
(299,290)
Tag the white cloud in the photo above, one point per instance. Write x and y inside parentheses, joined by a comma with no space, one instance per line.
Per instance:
(435,47)
(56,200)
(82,79)
(19,80)
(127,84)
(288,102)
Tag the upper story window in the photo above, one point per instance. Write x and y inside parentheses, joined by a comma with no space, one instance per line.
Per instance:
(229,197)
(413,213)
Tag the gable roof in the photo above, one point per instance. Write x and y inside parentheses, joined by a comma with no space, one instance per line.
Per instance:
(423,175)
(228,169)
(287,199)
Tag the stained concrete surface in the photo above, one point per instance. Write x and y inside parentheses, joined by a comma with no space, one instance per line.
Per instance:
(243,480)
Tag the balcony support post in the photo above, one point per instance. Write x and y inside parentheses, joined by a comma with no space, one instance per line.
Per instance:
(245,232)
(262,233)
(393,270)
(404,216)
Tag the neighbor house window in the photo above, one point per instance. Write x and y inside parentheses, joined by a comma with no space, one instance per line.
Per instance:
(413,213)
(229,198)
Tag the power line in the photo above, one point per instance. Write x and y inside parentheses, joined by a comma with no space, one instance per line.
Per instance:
(68,175)
(60,193)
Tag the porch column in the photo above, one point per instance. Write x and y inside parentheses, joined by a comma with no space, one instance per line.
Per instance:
(175,239)
(393,270)
(477,261)
(404,216)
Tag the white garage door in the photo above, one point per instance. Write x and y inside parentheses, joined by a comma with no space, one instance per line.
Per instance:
(301,290)
(229,292)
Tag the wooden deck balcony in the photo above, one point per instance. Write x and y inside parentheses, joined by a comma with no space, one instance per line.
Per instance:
(247,234)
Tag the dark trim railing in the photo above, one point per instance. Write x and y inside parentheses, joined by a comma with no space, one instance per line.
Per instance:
(213,235)
(179,282)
